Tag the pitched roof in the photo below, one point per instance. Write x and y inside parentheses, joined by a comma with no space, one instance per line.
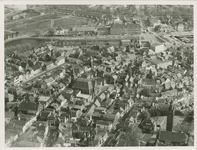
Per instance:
(85,28)
(66,95)
(82,83)
(101,122)
(59,28)
(28,105)
(49,80)
(125,26)
(169,93)
(44,98)
(36,67)
(60,58)
(108,117)
(103,28)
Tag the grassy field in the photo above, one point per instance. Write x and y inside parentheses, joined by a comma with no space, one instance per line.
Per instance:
(70,22)
(29,29)
(42,23)
(29,21)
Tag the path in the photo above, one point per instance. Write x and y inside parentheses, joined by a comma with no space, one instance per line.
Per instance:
(52,23)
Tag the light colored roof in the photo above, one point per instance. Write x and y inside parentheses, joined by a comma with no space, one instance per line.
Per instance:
(44,98)
(49,80)
(85,96)
(60,58)
(157,61)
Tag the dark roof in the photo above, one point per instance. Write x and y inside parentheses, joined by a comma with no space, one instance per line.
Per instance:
(36,67)
(59,28)
(82,83)
(66,95)
(28,105)
(108,117)
(103,28)
(125,26)
(173,136)
(148,123)
(20,122)
(85,28)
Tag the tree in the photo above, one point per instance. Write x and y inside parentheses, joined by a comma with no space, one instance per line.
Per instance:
(8,51)
(133,135)
(28,46)
(37,33)
(149,75)
(23,46)
(145,92)
(189,116)
(19,48)
(44,67)
(157,28)
(51,31)
(144,115)
(146,11)
(185,127)
(147,22)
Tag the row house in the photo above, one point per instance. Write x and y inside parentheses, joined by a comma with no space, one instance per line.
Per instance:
(49,81)
(101,137)
(35,70)
(100,124)
(45,100)
(60,60)
(49,64)
(169,93)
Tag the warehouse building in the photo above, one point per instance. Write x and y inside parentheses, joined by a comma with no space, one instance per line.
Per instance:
(157,48)
(120,29)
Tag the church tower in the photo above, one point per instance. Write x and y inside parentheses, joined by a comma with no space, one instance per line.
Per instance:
(170,117)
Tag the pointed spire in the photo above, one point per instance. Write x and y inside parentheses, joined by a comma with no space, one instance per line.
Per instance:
(171,107)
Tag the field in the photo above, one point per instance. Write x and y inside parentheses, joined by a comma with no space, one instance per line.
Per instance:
(44,22)
(67,23)
(29,29)
(32,20)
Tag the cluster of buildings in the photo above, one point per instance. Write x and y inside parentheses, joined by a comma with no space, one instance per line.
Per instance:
(78,96)
(115,29)
(28,13)
(90,91)
(11,34)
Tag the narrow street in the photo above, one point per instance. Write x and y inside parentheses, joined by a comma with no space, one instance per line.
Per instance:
(42,73)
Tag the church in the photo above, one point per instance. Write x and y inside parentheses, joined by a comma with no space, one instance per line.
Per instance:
(170,137)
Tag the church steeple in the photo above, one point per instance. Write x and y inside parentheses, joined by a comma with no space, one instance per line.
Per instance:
(171,108)
(170,117)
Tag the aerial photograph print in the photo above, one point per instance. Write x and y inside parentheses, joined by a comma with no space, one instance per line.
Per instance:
(98,75)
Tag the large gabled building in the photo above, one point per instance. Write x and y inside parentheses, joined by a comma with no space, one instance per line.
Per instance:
(84,85)
(117,29)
